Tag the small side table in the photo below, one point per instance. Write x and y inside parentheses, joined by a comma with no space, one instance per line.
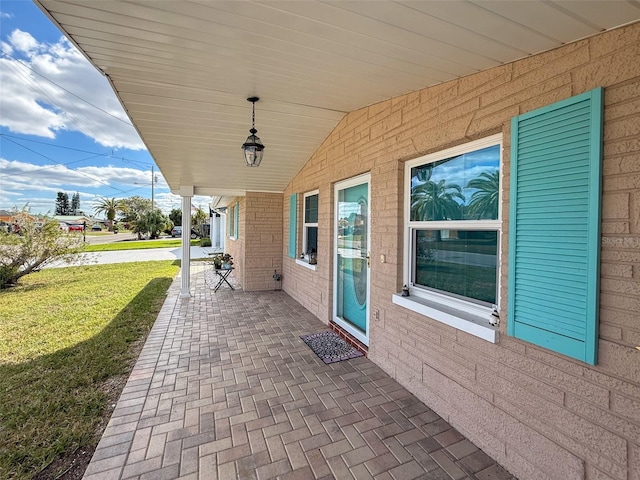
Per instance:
(223,273)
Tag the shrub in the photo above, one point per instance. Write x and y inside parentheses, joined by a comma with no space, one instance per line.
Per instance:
(205,242)
(37,244)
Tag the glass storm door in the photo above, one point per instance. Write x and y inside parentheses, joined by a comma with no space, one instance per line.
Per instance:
(351,263)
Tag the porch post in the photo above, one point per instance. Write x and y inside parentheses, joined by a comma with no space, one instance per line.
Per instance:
(215,231)
(186,192)
(223,230)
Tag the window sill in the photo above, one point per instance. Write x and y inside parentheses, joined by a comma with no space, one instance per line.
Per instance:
(462,320)
(306,264)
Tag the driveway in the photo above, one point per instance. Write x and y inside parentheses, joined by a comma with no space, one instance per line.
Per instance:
(123,256)
(109,238)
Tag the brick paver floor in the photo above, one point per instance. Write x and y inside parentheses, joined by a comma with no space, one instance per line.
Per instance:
(225,388)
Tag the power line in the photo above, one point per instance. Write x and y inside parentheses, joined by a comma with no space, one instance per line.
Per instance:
(95,179)
(56,164)
(3,52)
(124,159)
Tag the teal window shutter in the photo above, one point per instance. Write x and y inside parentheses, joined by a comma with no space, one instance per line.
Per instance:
(236,219)
(293,223)
(554,226)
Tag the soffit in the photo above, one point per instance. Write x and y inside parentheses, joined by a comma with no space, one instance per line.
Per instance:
(183,69)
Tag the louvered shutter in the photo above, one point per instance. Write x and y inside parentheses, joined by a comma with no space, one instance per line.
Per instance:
(293,224)
(554,226)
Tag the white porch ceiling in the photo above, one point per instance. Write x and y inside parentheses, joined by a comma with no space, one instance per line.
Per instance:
(183,69)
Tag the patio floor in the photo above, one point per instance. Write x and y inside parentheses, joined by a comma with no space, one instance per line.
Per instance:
(225,388)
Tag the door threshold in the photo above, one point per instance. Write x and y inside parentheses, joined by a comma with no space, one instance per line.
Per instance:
(350,339)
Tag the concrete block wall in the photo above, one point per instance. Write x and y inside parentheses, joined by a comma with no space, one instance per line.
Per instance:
(313,289)
(236,246)
(257,252)
(540,414)
(262,236)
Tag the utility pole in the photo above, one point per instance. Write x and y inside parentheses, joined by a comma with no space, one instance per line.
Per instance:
(153,181)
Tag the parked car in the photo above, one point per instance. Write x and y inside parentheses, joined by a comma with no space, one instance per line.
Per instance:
(176,232)
(96,227)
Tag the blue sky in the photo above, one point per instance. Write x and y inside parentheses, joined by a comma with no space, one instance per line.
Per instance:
(61,126)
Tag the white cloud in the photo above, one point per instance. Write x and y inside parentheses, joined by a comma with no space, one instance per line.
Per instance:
(6,48)
(168,201)
(25,183)
(56,176)
(5,15)
(23,41)
(53,99)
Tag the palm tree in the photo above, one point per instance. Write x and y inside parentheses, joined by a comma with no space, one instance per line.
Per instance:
(152,222)
(484,201)
(436,201)
(110,208)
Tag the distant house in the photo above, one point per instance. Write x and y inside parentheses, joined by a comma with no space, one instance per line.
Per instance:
(73,221)
(5,216)
(8,222)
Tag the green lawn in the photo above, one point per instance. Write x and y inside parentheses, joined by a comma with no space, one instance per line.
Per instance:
(67,336)
(139,245)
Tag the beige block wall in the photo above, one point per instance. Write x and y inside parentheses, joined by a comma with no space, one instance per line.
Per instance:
(257,252)
(313,288)
(262,239)
(236,246)
(540,414)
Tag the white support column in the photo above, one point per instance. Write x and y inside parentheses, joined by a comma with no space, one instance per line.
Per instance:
(215,231)
(223,231)
(186,192)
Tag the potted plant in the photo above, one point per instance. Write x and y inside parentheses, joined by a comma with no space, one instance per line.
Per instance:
(222,260)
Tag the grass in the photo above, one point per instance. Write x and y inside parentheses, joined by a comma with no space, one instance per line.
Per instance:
(138,245)
(68,335)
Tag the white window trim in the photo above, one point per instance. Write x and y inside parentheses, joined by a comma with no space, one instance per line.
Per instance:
(306,264)
(232,221)
(467,316)
(303,261)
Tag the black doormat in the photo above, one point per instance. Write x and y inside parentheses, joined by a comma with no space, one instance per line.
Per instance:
(330,347)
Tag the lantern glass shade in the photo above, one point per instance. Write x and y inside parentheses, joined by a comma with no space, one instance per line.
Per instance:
(253,149)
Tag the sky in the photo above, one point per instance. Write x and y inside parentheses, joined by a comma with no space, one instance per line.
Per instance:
(62,129)
(460,169)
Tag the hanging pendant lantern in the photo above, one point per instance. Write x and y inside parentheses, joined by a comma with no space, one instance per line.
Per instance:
(252,148)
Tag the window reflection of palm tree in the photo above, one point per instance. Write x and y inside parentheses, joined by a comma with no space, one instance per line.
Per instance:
(436,201)
(484,201)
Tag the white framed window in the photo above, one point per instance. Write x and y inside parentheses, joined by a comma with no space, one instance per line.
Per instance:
(452,236)
(309,253)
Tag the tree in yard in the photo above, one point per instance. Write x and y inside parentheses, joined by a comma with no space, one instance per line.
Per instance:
(110,208)
(62,204)
(176,216)
(133,211)
(484,201)
(198,217)
(36,246)
(75,203)
(152,223)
